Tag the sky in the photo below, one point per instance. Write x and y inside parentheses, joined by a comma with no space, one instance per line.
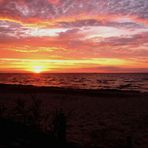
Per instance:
(74,36)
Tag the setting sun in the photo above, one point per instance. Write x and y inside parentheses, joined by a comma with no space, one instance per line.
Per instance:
(37,69)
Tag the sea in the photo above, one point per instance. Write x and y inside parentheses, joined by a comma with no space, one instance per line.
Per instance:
(122,81)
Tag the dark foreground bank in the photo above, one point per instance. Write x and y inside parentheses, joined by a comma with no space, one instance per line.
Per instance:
(55,117)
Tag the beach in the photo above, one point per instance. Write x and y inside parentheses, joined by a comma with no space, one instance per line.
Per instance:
(95,118)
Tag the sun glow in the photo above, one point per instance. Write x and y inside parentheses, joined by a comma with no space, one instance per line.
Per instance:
(37,69)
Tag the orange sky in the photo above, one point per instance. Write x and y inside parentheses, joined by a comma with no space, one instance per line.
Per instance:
(73,36)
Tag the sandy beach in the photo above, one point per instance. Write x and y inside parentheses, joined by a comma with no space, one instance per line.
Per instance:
(105,118)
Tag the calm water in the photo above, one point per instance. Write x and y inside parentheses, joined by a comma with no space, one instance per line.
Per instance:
(84,81)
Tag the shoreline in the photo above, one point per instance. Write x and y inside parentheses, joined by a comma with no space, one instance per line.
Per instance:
(16,88)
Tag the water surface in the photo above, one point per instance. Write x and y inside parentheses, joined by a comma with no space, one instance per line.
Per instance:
(138,82)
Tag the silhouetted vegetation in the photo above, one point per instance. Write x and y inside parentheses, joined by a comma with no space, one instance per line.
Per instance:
(21,127)
(60,126)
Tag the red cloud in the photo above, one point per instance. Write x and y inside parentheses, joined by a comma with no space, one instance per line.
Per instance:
(54,1)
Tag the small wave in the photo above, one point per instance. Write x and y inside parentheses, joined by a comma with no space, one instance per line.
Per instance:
(125,86)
